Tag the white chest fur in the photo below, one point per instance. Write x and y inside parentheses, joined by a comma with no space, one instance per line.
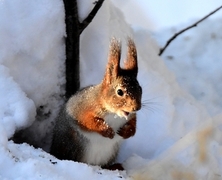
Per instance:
(101,149)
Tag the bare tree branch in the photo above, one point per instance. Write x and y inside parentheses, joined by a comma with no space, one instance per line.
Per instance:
(73,31)
(91,15)
(187,28)
(72,47)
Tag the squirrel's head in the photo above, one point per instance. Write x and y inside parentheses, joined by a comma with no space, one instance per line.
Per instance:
(121,91)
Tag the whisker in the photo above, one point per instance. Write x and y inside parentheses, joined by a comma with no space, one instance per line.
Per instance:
(151,109)
(151,105)
(147,111)
(152,99)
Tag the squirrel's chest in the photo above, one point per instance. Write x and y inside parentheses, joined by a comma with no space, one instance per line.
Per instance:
(115,121)
(101,150)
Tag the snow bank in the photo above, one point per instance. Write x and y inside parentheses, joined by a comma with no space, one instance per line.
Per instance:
(17,111)
(32,48)
(200,55)
(25,162)
(172,126)
(197,155)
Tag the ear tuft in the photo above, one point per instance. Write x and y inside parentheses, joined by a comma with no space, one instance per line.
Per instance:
(113,66)
(115,50)
(131,61)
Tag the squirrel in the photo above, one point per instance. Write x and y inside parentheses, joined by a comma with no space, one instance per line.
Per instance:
(94,121)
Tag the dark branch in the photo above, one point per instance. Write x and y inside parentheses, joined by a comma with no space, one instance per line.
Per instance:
(72,47)
(187,28)
(91,15)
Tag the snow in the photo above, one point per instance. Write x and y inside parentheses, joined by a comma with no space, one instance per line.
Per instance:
(29,39)
(17,111)
(201,61)
(158,14)
(179,127)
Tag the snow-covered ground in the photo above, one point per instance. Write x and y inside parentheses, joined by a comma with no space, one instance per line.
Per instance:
(179,127)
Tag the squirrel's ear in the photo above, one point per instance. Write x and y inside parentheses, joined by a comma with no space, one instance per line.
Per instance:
(131,61)
(113,65)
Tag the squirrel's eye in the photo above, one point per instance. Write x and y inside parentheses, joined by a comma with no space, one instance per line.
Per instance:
(120,92)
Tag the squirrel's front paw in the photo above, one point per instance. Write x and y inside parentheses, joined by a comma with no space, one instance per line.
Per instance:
(127,130)
(109,133)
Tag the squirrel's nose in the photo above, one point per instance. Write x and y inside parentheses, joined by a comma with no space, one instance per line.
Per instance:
(137,107)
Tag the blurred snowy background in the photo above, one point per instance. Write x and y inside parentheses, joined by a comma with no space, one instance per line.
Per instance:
(156,15)
(179,128)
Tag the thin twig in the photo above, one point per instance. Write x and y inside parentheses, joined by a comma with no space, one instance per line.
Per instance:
(91,15)
(183,30)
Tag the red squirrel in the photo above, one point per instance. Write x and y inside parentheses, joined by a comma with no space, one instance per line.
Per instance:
(92,124)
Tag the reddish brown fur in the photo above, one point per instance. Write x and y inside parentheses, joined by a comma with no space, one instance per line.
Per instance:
(93,109)
(129,129)
(103,97)
(112,67)
(131,62)
(90,122)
